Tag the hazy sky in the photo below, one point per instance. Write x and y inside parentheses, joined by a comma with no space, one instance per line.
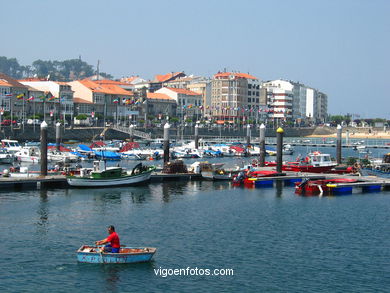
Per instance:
(340,47)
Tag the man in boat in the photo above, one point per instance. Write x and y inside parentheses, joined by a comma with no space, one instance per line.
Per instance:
(113,240)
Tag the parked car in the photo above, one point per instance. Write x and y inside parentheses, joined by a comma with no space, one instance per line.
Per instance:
(7,122)
(34,121)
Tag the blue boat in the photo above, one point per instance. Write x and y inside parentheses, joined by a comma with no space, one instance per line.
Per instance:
(92,254)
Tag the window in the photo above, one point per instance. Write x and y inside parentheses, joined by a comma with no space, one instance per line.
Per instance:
(249,93)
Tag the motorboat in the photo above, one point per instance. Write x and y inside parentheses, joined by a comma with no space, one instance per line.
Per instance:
(314,162)
(6,157)
(28,155)
(11,145)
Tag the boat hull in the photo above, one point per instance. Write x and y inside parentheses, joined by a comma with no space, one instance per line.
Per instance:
(124,180)
(87,254)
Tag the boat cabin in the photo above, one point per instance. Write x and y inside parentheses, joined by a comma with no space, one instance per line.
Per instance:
(11,145)
(318,159)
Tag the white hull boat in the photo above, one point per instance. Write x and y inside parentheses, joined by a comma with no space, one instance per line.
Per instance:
(108,177)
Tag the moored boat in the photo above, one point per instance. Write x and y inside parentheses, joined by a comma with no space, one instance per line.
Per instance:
(92,254)
(324,186)
(100,176)
(379,168)
(6,157)
(315,162)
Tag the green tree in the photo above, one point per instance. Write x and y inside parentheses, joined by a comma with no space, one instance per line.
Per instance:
(81,117)
(11,67)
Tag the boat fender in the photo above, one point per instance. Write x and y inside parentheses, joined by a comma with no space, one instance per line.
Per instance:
(331,185)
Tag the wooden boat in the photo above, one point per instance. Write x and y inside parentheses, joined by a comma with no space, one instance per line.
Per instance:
(92,254)
(100,176)
(323,187)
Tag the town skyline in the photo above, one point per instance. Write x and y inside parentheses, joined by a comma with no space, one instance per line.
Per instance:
(337,47)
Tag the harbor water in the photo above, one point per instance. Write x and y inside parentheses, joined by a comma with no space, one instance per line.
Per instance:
(271,239)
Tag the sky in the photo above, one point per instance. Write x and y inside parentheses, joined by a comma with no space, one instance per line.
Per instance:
(340,47)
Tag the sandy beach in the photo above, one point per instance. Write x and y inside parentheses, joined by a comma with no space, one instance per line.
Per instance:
(366,135)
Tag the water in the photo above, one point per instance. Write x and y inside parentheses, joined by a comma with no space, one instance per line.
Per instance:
(274,241)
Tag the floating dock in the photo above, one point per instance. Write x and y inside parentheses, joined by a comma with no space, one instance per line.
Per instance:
(364,183)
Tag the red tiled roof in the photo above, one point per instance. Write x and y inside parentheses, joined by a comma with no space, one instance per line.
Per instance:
(168,76)
(108,81)
(105,88)
(81,101)
(158,96)
(129,80)
(9,81)
(235,74)
(183,91)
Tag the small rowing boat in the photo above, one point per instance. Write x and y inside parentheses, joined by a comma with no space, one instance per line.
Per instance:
(92,254)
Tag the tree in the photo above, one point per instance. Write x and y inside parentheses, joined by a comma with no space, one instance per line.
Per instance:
(66,70)
(81,117)
(11,67)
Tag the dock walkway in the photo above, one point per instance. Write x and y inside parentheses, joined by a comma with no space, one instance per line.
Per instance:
(59,181)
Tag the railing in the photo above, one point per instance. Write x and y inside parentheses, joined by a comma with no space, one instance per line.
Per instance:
(135,132)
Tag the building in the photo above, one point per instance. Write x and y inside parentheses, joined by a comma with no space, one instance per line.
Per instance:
(279,99)
(188,102)
(13,97)
(288,100)
(234,97)
(159,106)
(107,100)
(56,100)
(204,89)
(160,79)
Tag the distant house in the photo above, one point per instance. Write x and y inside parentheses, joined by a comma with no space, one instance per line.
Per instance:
(159,79)
(101,97)
(12,96)
(159,104)
(57,98)
(189,103)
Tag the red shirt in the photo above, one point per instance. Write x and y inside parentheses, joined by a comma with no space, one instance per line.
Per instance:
(113,238)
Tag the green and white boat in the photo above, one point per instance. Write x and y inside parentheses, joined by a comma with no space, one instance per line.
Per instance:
(100,176)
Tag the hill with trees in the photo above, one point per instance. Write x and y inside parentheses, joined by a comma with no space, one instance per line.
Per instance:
(66,70)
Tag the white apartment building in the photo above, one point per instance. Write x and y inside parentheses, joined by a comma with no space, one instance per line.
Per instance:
(293,100)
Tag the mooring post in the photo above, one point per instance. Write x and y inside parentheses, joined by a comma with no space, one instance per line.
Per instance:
(196,136)
(166,142)
(279,149)
(131,127)
(248,135)
(58,135)
(43,148)
(338,145)
(262,146)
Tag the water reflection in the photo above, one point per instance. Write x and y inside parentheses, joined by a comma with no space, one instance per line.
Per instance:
(43,212)
(114,276)
(140,195)
(279,188)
